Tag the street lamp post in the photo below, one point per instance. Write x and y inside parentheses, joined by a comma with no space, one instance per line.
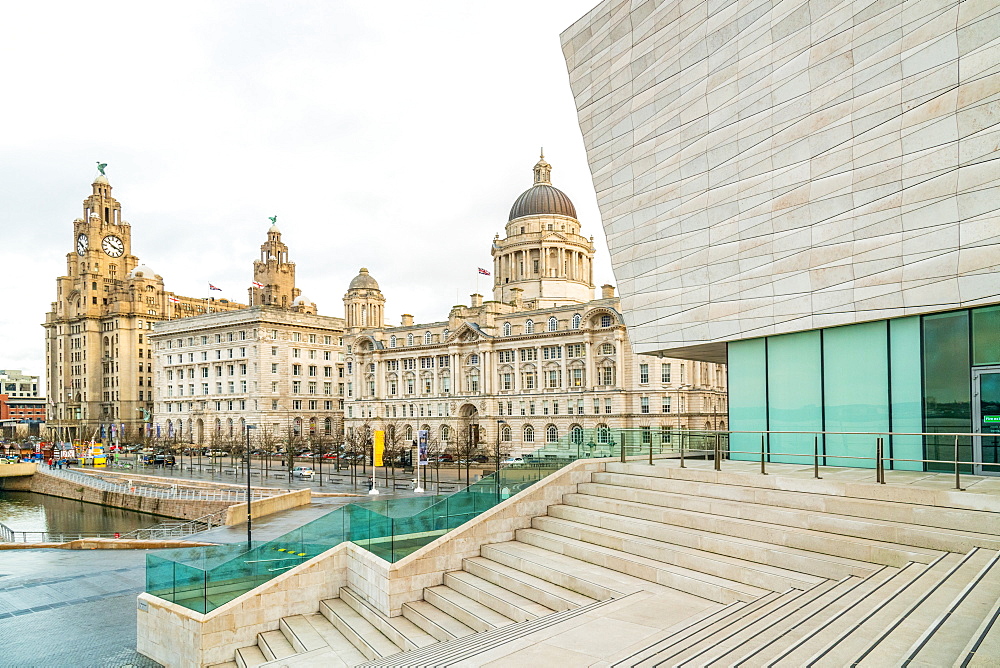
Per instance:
(497,474)
(249,492)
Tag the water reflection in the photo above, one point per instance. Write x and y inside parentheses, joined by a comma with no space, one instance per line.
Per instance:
(25,511)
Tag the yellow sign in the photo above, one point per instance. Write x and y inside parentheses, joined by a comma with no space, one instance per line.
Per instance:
(379,448)
(100,462)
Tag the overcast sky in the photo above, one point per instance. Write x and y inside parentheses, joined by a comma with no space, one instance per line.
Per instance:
(391,135)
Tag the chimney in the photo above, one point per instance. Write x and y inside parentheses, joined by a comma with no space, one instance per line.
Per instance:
(477,300)
(607,291)
(407,320)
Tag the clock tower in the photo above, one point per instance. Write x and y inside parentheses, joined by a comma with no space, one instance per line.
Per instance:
(98,355)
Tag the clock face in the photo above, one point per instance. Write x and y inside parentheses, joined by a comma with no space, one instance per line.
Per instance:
(82,244)
(113,246)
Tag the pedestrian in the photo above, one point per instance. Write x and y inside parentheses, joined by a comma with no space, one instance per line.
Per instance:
(50,463)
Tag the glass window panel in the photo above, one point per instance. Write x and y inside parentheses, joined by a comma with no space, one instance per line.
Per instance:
(747,396)
(904,382)
(947,386)
(986,335)
(794,394)
(855,391)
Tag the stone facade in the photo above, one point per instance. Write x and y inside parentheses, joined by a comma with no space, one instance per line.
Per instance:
(97,350)
(768,168)
(543,360)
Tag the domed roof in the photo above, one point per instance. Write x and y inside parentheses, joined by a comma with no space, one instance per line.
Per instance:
(301,299)
(542,198)
(142,271)
(363,281)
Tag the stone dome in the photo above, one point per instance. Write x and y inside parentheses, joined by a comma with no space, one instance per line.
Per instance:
(363,281)
(303,300)
(142,271)
(542,199)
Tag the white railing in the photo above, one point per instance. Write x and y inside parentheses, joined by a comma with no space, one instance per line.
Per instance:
(159,491)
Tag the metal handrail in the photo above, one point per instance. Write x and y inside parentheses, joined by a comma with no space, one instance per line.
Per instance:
(879,457)
(143,488)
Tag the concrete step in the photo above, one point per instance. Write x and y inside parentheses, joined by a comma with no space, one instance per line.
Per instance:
(793,559)
(300,633)
(225,664)
(648,539)
(850,547)
(951,510)
(507,603)
(681,579)
(250,657)
(401,631)
(874,526)
(433,621)
(274,645)
(317,658)
(734,616)
(935,631)
(881,604)
(360,632)
(844,646)
(587,580)
(770,643)
(470,612)
(782,611)
(336,641)
(984,646)
(532,588)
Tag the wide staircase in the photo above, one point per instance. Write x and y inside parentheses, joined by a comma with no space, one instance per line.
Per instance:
(756,575)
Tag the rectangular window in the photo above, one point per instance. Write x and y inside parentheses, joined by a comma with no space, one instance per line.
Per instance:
(644,404)
(507,382)
(529,354)
(553,378)
(574,350)
(274,350)
(274,368)
(643,373)
(328,388)
(313,370)
(528,381)
(426,362)
(666,405)
(664,373)
(445,384)
(607,406)
(607,375)
(506,356)
(296,352)
(296,369)
(552,352)
(296,386)
(443,362)
(647,435)
(576,377)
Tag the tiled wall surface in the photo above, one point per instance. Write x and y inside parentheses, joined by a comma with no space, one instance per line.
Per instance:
(768,166)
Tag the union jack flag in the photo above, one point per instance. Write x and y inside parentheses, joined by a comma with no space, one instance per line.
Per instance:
(483,272)
(212,287)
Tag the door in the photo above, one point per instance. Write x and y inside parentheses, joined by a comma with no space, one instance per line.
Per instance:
(986,419)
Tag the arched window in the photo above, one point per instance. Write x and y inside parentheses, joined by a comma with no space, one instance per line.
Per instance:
(297,426)
(529,327)
(445,433)
(576,434)
(392,341)
(607,349)
(328,426)
(409,339)
(444,334)
(506,329)
(409,433)
(553,324)
(312,426)
(505,433)
(708,425)
(722,426)
(605,321)
(576,321)
(218,427)
(529,434)
(427,338)
(229,426)
(603,434)
(551,434)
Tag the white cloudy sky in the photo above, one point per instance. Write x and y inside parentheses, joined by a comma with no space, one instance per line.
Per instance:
(392,135)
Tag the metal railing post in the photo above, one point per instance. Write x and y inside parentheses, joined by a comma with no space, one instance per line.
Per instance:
(816,457)
(718,462)
(958,475)
(651,449)
(682,449)
(621,437)
(763,471)
(879,467)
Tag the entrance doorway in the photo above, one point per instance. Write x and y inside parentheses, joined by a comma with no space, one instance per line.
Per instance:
(986,419)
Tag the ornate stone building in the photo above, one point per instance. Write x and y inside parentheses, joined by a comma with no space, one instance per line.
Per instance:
(277,365)
(98,353)
(538,365)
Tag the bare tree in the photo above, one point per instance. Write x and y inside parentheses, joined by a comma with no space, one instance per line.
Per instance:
(467,445)
(267,441)
(395,444)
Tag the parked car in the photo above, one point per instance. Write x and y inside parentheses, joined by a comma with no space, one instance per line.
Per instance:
(446,458)
(302,472)
(514,460)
